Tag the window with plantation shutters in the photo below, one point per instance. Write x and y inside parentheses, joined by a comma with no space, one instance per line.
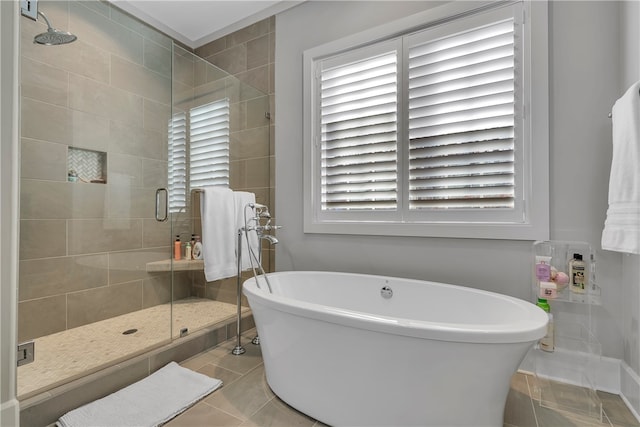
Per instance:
(199,150)
(462,115)
(177,162)
(358,117)
(209,144)
(426,133)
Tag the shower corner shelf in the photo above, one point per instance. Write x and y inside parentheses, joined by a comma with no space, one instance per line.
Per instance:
(577,350)
(175,265)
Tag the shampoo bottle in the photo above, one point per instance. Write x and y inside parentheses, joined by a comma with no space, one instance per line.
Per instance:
(577,278)
(187,251)
(177,249)
(197,249)
(547,342)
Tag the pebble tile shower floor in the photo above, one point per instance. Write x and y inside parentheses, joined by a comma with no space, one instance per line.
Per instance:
(71,354)
(245,399)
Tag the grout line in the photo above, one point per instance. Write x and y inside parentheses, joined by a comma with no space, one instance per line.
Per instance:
(242,420)
(533,405)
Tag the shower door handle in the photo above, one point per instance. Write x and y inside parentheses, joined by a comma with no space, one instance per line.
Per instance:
(159,191)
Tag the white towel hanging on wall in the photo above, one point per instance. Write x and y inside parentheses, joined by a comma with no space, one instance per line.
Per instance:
(622,226)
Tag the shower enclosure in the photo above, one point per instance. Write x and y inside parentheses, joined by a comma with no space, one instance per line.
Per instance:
(118,130)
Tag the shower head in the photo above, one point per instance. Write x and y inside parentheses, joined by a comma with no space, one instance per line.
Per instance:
(53,37)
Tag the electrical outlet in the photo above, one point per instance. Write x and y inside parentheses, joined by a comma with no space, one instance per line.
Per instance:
(29,8)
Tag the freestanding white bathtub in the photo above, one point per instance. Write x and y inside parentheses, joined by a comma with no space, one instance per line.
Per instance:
(343,350)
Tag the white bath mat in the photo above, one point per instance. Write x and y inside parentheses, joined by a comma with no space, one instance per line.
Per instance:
(151,401)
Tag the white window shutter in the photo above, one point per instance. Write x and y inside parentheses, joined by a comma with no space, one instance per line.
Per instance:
(358,120)
(462,119)
(177,162)
(199,150)
(209,144)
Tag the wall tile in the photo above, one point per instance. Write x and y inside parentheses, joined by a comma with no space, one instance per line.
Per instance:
(253,31)
(257,78)
(154,173)
(40,317)
(43,160)
(156,290)
(132,265)
(157,58)
(78,57)
(105,101)
(45,121)
(258,52)
(89,131)
(127,169)
(103,303)
(61,200)
(249,143)
(134,140)
(156,234)
(140,80)
(98,30)
(183,67)
(100,7)
(232,60)
(256,110)
(53,276)
(92,236)
(156,116)
(149,33)
(130,202)
(252,173)
(211,48)
(42,238)
(43,82)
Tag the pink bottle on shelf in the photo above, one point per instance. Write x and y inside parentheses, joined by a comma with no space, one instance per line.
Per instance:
(177,249)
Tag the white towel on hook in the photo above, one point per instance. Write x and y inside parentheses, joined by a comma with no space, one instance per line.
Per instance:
(622,227)
(218,215)
(243,215)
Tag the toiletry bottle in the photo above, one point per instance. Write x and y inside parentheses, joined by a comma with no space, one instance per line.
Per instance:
(193,244)
(177,249)
(543,268)
(197,249)
(547,342)
(187,251)
(578,279)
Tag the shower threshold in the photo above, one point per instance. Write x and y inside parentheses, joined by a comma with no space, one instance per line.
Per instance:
(68,355)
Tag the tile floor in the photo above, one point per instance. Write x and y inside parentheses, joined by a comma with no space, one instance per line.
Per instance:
(74,353)
(245,399)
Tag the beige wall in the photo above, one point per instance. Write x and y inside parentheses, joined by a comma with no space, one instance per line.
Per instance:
(247,54)
(84,246)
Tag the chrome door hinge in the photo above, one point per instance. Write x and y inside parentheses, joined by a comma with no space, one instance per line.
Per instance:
(26,353)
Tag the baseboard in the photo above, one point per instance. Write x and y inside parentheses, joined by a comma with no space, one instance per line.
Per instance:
(630,389)
(607,374)
(560,365)
(10,413)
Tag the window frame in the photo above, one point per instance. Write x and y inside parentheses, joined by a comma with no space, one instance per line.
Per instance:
(535,180)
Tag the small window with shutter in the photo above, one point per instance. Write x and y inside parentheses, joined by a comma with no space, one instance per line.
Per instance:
(424,128)
(199,150)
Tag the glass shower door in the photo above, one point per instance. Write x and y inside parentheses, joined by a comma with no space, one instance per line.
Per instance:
(94,146)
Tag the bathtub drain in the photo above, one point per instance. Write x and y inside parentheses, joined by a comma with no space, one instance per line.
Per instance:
(130,331)
(386,292)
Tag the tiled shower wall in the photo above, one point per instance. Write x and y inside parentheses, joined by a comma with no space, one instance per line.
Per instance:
(84,246)
(249,55)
